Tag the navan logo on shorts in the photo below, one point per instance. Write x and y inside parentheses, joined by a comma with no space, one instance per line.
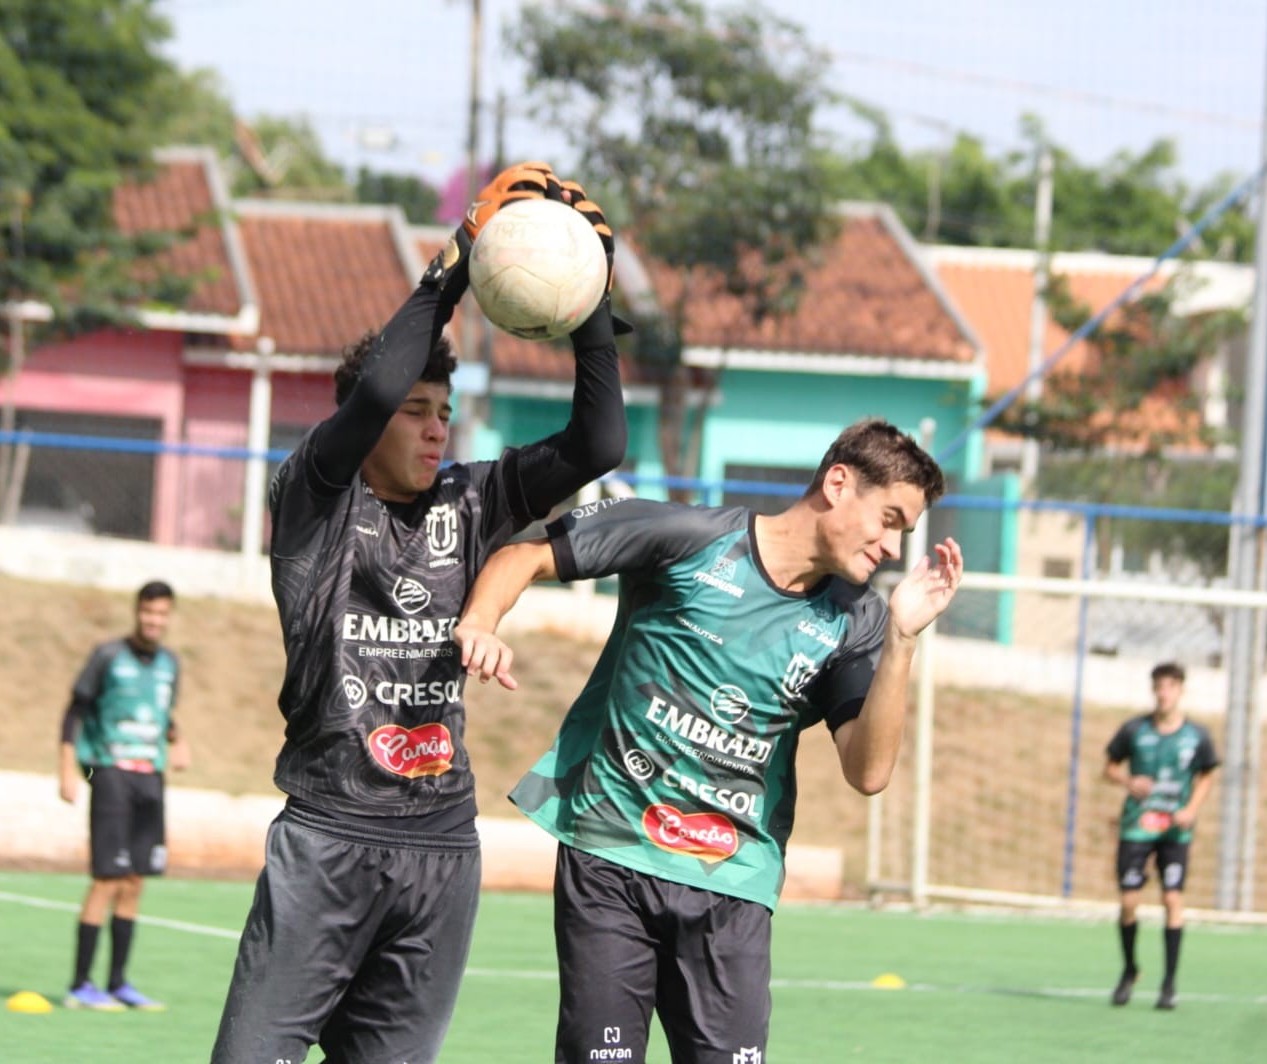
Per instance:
(426,750)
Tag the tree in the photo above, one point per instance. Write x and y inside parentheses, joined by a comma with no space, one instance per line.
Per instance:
(1202,483)
(413,195)
(75,79)
(1126,428)
(1134,393)
(696,126)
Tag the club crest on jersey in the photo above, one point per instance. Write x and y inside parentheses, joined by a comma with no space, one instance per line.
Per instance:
(410,595)
(709,836)
(800,670)
(442,530)
(426,750)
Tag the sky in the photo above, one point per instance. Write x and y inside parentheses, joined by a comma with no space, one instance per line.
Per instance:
(387,83)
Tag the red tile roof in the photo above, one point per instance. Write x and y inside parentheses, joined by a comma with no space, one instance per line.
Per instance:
(178,198)
(324,277)
(866,295)
(996,298)
(995,289)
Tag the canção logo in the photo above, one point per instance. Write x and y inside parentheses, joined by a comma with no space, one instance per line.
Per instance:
(709,836)
(426,750)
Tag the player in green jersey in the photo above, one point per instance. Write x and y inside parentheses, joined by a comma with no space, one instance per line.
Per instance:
(671,786)
(1166,763)
(119,734)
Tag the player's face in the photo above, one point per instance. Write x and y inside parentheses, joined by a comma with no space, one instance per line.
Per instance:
(152,618)
(406,459)
(866,523)
(1166,692)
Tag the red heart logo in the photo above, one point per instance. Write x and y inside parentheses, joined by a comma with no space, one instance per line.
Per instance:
(426,750)
(709,836)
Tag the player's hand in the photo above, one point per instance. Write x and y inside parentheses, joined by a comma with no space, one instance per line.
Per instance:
(926,591)
(68,788)
(574,194)
(448,271)
(179,756)
(601,327)
(1184,818)
(1139,787)
(518,182)
(484,655)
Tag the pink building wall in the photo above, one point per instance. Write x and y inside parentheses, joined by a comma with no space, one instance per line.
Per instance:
(197,499)
(123,373)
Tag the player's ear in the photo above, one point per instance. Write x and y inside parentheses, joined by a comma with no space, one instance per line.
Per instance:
(838,479)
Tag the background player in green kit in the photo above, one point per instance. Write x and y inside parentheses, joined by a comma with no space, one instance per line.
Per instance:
(118,732)
(671,786)
(1166,763)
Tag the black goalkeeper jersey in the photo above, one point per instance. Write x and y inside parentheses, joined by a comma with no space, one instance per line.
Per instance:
(369,594)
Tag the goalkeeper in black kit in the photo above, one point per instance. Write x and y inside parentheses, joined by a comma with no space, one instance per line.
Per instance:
(362,917)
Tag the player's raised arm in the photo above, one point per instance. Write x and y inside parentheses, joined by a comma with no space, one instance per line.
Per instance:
(868,746)
(596,435)
(399,355)
(503,579)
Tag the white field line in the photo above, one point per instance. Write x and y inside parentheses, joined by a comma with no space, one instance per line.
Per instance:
(830,985)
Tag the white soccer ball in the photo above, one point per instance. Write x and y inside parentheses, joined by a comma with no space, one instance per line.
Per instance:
(538,269)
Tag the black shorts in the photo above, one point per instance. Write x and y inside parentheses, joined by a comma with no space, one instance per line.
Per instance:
(357,940)
(629,942)
(126,834)
(1132,857)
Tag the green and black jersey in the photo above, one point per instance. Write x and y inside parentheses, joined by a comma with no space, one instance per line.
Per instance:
(1173,761)
(678,757)
(131,697)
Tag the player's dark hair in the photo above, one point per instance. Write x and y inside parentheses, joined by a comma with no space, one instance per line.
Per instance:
(1170,670)
(155,589)
(882,455)
(439,368)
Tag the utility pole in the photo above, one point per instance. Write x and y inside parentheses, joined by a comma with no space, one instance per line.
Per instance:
(473,326)
(1038,307)
(1244,679)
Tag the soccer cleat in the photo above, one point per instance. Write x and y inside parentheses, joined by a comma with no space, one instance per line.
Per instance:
(131,997)
(1122,992)
(1166,999)
(87,996)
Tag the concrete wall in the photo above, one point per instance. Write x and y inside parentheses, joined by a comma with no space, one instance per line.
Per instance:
(217,834)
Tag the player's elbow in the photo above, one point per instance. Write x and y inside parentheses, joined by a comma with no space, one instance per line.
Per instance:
(868,780)
(606,453)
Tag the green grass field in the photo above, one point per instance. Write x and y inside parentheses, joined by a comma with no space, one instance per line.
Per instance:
(979,988)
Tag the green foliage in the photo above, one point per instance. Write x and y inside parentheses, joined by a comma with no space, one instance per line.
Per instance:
(1131,205)
(695,128)
(1144,349)
(414,196)
(700,121)
(1123,480)
(75,78)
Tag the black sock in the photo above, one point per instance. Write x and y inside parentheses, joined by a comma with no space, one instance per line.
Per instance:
(85,950)
(1127,933)
(1174,936)
(120,945)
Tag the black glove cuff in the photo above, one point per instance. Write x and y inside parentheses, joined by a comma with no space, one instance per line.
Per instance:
(450,271)
(600,329)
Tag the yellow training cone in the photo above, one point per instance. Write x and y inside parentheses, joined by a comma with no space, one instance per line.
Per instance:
(29,1001)
(888,981)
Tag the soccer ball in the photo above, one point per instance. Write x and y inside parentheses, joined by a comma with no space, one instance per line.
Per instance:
(538,269)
